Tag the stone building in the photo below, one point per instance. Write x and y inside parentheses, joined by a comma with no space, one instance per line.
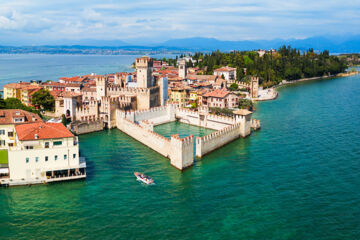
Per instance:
(254,87)
(182,68)
(99,102)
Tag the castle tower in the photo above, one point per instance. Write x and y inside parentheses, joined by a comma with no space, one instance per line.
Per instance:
(254,87)
(243,116)
(101,87)
(144,72)
(182,68)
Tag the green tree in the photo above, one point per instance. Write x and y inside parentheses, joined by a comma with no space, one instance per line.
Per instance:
(246,104)
(2,103)
(43,99)
(233,87)
(14,103)
(63,119)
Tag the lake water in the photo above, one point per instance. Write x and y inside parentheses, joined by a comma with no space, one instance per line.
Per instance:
(296,178)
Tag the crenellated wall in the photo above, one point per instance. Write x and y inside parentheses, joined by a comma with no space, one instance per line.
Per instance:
(146,97)
(156,115)
(140,125)
(179,151)
(203,119)
(182,151)
(215,140)
(147,137)
(87,112)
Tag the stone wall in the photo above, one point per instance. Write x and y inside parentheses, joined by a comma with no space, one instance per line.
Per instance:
(157,115)
(209,143)
(147,137)
(79,127)
(255,124)
(182,151)
(179,151)
(203,120)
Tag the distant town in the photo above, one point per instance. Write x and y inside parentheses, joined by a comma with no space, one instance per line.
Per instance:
(40,120)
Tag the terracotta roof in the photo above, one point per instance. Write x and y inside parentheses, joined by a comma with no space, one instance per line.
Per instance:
(7,116)
(201,77)
(16,85)
(56,94)
(70,94)
(219,93)
(57,84)
(33,90)
(225,69)
(73,79)
(41,130)
(242,112)
(72,84)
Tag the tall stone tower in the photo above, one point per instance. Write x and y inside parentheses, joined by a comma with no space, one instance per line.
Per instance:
(144,72)
(182,68)
(101,87)
(254,87)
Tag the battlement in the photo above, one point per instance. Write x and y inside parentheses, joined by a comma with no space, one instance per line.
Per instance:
(189,140)
(186,111)
(215,140)
(221,118)
(219,133)
(144,62)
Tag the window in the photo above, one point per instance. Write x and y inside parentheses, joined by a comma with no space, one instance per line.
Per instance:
(10,144)
(2,132)
(29,147)
(10,134)
(57,143)
(65,156)
(46,158)
(27,160)
(36,159)
(47,144)
(74,155)
(56,157)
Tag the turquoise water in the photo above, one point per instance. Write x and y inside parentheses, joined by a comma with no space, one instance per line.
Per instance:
(296,178)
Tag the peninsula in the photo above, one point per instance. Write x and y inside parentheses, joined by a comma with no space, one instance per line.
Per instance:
(214,91)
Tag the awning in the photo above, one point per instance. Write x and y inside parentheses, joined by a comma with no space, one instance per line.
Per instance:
(4,171)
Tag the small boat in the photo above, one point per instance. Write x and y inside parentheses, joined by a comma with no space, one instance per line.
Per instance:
(143,178)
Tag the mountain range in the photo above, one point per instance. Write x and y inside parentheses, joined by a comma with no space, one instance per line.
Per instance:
(335,44)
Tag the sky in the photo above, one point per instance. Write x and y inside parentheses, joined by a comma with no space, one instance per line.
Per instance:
(34,22)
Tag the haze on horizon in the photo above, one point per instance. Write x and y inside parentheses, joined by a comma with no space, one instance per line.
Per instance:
(148,22)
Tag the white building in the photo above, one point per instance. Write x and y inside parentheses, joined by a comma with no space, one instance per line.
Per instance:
(44,152)
(229,73)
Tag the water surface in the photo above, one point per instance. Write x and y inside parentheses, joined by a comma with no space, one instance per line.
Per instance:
(296,178)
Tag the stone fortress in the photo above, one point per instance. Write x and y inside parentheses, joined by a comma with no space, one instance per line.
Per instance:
(136,110)
(180,151)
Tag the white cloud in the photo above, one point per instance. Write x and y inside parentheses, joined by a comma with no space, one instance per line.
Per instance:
(161,20)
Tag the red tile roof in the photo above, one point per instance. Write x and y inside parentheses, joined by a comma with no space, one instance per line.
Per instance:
(225,69)
(219,93)
(41,130)
(7,116)
(17,85)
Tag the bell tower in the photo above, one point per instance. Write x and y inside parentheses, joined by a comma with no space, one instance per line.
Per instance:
(182,68)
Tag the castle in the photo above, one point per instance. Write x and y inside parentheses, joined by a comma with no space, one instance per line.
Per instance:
(99,102)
